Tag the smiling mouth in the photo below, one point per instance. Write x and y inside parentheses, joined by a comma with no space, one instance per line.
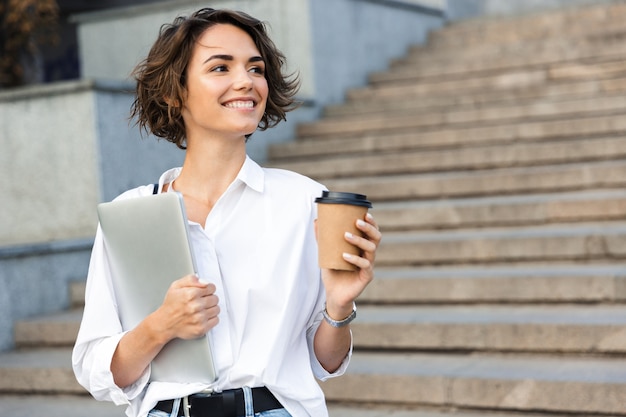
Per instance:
(240,104)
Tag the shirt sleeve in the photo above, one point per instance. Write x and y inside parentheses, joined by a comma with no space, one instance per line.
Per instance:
(318,370)
(99,334)
(316,282)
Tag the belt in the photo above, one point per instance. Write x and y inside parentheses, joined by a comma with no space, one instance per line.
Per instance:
(229,403)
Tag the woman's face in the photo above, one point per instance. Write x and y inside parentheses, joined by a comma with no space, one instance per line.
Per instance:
(226,86)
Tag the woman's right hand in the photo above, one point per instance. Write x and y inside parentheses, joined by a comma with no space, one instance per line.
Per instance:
(189,310)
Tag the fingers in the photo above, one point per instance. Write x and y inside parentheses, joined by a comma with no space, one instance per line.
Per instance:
(203,314)
(191,307)
(372,236)
(192,281)
(370,228)
(368,243)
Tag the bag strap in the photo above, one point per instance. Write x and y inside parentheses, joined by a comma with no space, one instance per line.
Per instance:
(155,190)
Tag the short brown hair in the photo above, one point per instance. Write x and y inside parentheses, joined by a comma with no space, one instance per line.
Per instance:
(161,76)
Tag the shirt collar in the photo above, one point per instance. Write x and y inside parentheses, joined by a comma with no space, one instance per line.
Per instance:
(250,174)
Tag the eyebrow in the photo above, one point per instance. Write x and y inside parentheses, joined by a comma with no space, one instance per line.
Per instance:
(231,58)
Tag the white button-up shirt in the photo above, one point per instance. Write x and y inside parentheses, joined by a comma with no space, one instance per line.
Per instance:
(258,247)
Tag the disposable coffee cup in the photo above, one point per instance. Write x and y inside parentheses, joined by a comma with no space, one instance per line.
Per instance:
(337,214)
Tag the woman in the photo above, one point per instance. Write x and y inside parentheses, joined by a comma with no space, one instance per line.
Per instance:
(208,83)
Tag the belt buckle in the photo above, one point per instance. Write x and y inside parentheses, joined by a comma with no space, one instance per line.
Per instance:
(187,405)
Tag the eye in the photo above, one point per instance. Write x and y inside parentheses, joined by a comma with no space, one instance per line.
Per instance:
(257,70)
(219,68)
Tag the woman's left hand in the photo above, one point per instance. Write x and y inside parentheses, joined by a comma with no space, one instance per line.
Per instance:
(343,287)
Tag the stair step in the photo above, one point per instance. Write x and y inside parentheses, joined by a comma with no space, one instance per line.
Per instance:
(498,283)
(496,114)
(386,410)
(525,82)
(57,406)
(581,176)
(537,56)
(41,370)
(497,382)
(570,22)
(502,210)
(468,158)
(506,133)
(506,75)
(599,37)
(51,330)
(538,328)
(581,241)
(397,101)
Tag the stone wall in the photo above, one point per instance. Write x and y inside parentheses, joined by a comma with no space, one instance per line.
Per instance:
(67,147)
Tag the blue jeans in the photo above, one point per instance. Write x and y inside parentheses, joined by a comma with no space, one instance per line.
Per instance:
(247,395)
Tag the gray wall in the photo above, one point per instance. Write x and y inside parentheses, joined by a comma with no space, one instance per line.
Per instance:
(352,38)
(69,146)
(127,157)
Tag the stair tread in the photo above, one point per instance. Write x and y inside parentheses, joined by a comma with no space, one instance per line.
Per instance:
(503,180)
(576,89)
(540,383)
(500,62)
(72,315)
(540,109)
(57,406)
(501,271)
(488,366)
(450,136)
(378,410)
(465,158)
(59,358)
(605,228)
(582,195)
(588,315)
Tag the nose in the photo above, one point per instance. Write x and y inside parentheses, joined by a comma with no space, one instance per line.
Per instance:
(243,80)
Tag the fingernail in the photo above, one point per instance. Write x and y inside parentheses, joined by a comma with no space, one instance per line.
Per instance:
(360,223)
(348,235)
(369,216)
(346,256)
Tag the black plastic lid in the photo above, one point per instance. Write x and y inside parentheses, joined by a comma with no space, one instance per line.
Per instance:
(333,197)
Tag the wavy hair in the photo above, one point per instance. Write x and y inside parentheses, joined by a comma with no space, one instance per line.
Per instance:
(161,76)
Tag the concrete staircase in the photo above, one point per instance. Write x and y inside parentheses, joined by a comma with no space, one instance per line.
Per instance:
(495,156)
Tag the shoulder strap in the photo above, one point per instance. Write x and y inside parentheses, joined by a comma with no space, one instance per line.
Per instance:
(155,190)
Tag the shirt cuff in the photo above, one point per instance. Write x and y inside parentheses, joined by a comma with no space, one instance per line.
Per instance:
(102,384)
(318,370)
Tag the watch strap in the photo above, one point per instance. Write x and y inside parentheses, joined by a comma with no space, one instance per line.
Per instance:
(339,323)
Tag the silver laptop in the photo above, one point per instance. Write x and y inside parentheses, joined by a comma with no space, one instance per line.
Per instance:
(147,241)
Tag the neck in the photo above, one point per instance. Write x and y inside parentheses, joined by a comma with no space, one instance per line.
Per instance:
(208,169)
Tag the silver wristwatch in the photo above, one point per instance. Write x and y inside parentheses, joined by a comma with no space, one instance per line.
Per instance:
(340,323)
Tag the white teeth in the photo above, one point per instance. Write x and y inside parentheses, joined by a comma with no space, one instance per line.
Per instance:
(240,104)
